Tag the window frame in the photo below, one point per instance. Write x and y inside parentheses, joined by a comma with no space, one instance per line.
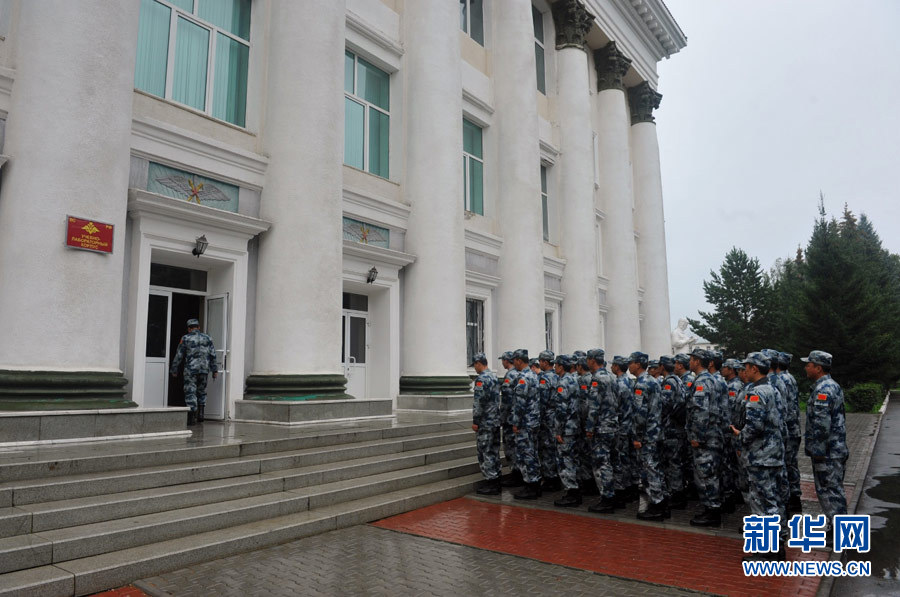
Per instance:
(354,97)
(549,316)
(468,28)
(545,203)
(539,43)
(176,12)
(467,157)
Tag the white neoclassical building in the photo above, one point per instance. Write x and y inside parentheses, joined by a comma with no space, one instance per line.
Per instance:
(376,190)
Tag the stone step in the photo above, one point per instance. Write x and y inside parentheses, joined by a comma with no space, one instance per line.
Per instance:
(94,484)
(58,461)
(61,545)
(45,516)
(92,574)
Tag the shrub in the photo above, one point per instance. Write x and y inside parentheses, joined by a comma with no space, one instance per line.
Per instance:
(864,396)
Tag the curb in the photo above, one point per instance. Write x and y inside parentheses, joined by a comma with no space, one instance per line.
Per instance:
(827,583)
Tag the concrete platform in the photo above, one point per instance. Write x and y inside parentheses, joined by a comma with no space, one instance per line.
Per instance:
(435,402)
(294,412)
(64,426)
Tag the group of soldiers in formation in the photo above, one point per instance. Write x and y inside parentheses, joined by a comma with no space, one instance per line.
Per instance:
(689,426)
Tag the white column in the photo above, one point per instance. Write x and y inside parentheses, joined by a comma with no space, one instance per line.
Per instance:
(434,291)
(580,315)
(623,323)
(68,136)
(520,296)
(648,201)
(298,312)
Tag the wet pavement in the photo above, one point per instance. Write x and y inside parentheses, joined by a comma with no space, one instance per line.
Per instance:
(880,499)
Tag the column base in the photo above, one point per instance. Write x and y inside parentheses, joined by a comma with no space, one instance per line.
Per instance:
(62,390)
(296,387)
(435,384)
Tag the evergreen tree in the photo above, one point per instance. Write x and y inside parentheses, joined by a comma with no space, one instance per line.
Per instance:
(741,296)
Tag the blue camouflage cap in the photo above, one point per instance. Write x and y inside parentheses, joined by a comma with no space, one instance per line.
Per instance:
(506,356)
(620,361)
(598,354)
(653,363)
(757,358)
(639,357)
(682,358)
(701,353)
(667,360)
(579,353)
(716,354)
(563,359)
(478,357)
(785,358)
(818,357)
(581,361)
(520,353)
(771,354)
(546,355)
(733,364)
(193,323)
(533,363)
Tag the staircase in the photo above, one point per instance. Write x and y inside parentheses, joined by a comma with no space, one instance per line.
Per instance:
(80,525)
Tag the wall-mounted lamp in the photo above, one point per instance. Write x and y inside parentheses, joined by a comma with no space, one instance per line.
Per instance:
(370,277)
(200,247)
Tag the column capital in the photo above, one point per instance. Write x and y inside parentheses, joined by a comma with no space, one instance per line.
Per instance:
(643,100)
(573,22)
(611,65)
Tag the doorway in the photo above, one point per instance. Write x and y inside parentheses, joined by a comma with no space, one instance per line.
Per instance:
(354,348)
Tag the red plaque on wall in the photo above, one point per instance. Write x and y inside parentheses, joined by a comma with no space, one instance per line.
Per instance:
(89,235)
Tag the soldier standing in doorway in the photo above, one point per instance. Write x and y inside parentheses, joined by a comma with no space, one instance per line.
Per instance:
(199,355)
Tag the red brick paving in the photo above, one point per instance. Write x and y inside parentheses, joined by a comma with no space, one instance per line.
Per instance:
(658,555)
(128,591)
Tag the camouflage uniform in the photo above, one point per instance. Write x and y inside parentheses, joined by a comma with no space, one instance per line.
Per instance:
(647,424)
(737,474)
(567,426)
(602,423)
(547,382)
(687,453)
(526,418)
(781,398)
(506,402)
(199,355)
(826,439)
(625,457)
(793,426)
(674,437)
(585,474)
(486,414)
(702,428)
(762,447)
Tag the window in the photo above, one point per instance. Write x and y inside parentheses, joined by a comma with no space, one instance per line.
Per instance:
(196,52)
(474,328)
(471,19)
(367,104)
(544,212)
(548,329)
(473,168)
(538,18)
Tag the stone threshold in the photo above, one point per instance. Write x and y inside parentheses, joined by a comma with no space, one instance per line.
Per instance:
(35,428)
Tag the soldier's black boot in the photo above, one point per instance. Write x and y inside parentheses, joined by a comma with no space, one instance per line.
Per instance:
(633,493)
(653,512)
(589,487)
(513,479)
(619,500)
(710,517)
(678,501)
(794,505)
(489,487)
(572,499)
(200,409)
(691,493)
(604,506)
(192,418)
(531,491)
(551,484)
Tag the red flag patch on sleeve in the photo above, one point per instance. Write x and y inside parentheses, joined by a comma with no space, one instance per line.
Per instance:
(668,387)
(754,398)
(479,383)
(583,387)
(594,384)
(521,382)
(543,382)
(560,390)
(690,383)
(639,392)
(732,393)
(699,388)
(822,397)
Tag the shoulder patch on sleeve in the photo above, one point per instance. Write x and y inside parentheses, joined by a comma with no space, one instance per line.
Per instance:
(521,382)
(594,384)
(754,398)
(822,397)
(639,392)
(699,388)
(668,387)
(479,383)
(543,382)
(690,383)
(560,390)
(732,393)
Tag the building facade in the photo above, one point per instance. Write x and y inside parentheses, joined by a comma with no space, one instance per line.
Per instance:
(353,196)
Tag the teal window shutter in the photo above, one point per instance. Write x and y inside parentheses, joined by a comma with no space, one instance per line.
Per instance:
(152,48)
(230,80)
(354,133)
(191,57)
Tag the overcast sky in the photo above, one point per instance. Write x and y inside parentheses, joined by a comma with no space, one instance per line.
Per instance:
(771,101)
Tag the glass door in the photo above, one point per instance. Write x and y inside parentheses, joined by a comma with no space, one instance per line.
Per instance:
(156,357)
(217,329)
(354,352)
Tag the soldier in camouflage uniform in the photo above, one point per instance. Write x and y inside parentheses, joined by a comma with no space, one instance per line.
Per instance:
(584,377)
(705,438)
(601,427)
(199,355)
(726,487)
(514,479)
(653,369)
(547,382)
(683,371)
(762,447)
(535,367)
(734,476)
(781,397)
(794,432)
(566,428)
(526,422)
(648,436)
(826,434)
(623,463)
(673,421)
(486,424)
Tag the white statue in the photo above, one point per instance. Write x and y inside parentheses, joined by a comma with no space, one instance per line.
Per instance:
(682,337)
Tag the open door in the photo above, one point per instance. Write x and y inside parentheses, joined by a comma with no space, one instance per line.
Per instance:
(217,329)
